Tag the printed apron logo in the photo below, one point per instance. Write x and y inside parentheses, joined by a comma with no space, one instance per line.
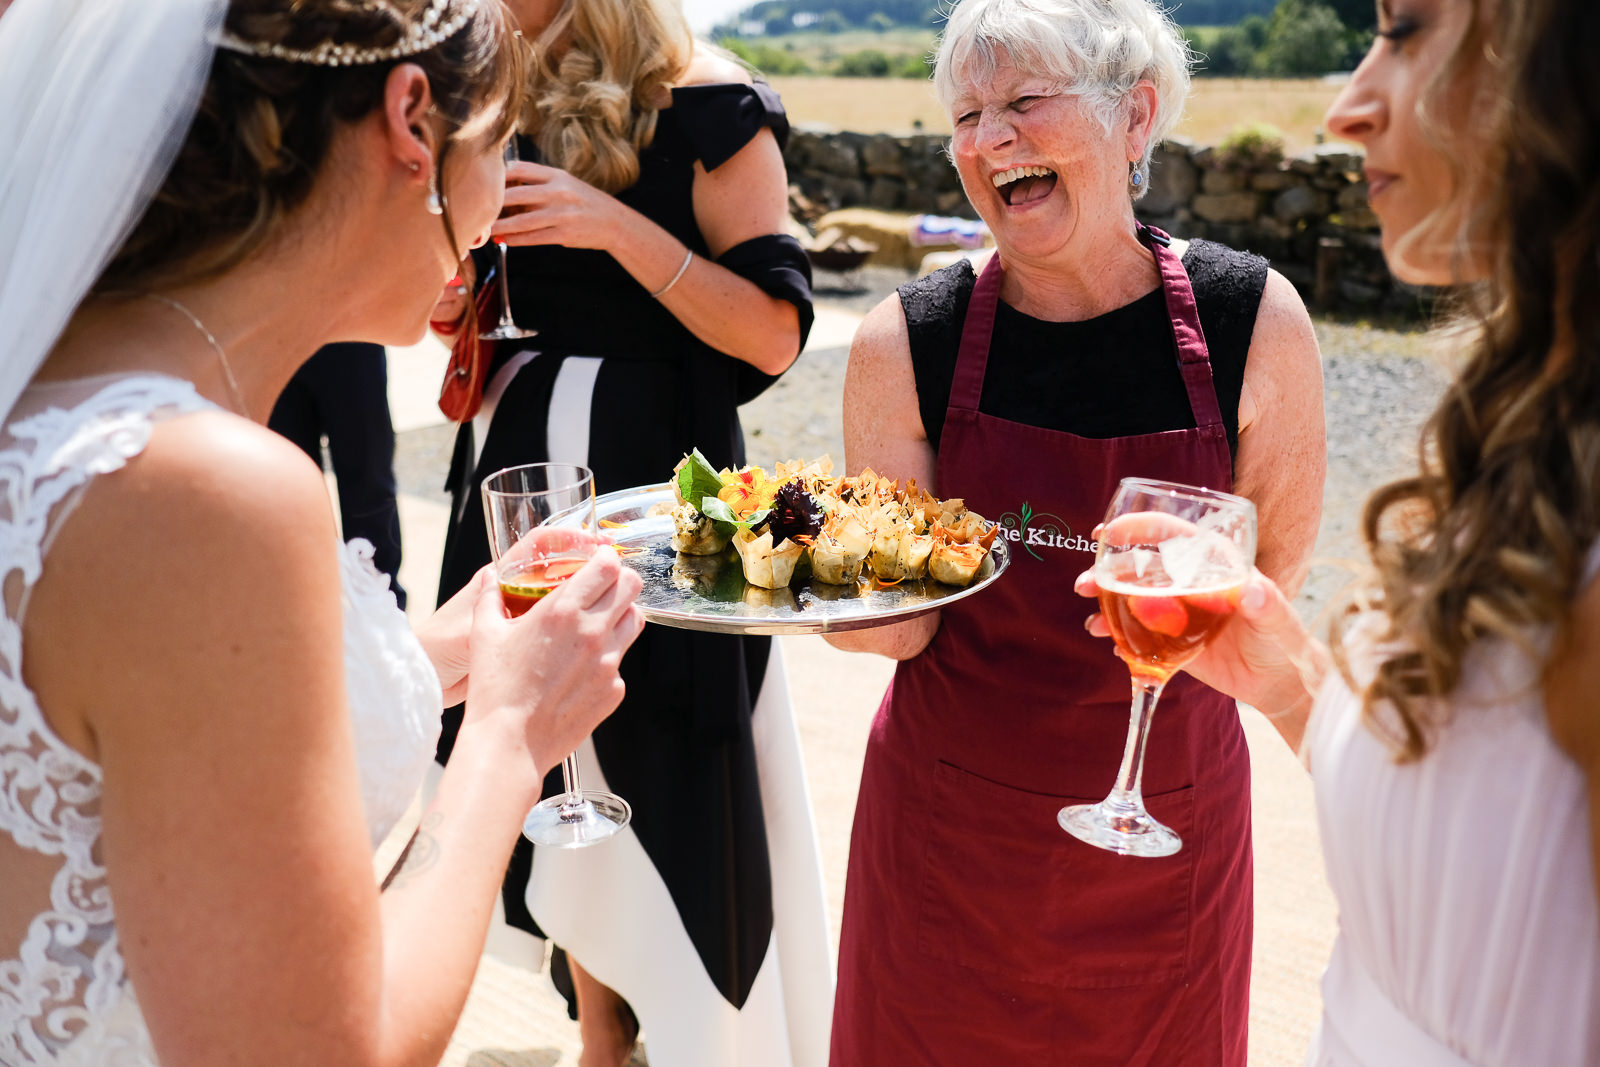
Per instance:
(1032,529)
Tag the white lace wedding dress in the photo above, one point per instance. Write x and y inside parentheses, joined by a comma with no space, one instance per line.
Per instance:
(64,997)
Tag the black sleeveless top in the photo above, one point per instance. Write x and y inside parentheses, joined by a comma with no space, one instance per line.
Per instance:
(583,302)
(1115,375)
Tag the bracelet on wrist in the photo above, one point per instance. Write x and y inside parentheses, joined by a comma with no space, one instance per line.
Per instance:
(688,257)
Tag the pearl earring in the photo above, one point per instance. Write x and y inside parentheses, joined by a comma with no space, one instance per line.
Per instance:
(435,201)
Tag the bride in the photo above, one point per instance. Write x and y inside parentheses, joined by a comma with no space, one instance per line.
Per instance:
(210,711)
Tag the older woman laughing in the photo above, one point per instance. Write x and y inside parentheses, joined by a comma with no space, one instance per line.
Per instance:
(1088,349)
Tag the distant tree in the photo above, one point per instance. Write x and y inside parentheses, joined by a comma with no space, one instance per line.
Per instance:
(1256,28)
(1232,50)
(912,66)
(1305,37)
(1218,12)
(832,22)
(878,22)
(1358,15)
(868,63)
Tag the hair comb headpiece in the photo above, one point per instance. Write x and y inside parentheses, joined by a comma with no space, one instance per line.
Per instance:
(442,20)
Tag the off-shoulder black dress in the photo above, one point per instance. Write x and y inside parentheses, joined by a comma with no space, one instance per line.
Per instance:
(678,913)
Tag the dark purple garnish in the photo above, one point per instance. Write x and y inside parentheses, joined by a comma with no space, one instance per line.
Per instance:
(794,514)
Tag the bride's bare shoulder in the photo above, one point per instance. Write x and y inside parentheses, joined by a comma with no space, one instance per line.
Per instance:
(229,469)
(216,539)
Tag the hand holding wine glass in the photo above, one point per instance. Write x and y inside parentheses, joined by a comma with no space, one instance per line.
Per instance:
(542,533)
(506,329)
(1171,564)
(1266,657)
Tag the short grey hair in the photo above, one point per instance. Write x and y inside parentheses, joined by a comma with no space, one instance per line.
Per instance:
(1096,50)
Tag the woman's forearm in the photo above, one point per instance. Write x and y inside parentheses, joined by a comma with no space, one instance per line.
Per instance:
(901,641)
(730,313)
(438,902)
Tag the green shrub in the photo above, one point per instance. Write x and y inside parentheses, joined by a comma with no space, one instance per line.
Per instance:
(1305,37)
(867,63)
(1252,146)
(911,66)
(765,58)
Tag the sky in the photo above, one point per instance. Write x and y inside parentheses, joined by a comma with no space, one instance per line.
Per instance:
(704,14)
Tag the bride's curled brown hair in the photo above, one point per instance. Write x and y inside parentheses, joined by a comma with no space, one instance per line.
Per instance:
(1489,539)
(264,126)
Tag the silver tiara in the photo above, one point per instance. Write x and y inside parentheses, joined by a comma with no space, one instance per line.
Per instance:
(442,20)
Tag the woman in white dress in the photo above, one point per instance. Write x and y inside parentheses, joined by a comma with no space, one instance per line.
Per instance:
(1452,731)
(195,195)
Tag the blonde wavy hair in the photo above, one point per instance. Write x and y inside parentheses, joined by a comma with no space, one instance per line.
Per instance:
(1488,539)
(599,71)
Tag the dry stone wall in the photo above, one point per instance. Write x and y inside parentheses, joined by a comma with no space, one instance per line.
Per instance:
(1308,214)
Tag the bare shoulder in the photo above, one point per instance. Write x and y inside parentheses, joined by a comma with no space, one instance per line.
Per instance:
(1284,360)
(882,344)
(228,470)
(712,66)
(882,419)
(880,355)
(1282,316)
(223,545)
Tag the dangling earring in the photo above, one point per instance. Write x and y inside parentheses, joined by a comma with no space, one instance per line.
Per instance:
(1135,179)
(435,201)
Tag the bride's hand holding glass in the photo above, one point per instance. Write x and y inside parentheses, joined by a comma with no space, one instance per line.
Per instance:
(550,674)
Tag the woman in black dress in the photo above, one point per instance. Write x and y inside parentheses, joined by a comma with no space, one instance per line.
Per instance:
(647,249)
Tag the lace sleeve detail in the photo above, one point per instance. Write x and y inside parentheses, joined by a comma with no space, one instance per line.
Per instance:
(63,984)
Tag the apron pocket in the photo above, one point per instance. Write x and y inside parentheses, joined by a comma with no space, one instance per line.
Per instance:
(1007,892)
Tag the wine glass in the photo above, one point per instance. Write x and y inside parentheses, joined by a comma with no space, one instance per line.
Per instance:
(1171,564)
(507,329)
(542,528)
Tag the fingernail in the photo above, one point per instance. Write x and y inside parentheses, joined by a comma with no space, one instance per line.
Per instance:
(1254,598)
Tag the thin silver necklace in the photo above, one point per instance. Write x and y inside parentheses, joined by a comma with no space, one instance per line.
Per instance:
(222,357)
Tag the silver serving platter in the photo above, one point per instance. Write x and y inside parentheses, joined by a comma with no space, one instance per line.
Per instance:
(710,593)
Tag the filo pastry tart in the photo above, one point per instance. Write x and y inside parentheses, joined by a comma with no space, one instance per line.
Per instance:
(840,550)
(960,548)
(694,533)
(898,551)
(765,564)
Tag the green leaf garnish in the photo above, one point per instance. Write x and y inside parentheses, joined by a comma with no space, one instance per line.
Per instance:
(720,512)
(697,479)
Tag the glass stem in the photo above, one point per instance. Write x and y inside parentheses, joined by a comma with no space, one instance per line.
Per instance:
(1127,797)
(505,302)
(569,778)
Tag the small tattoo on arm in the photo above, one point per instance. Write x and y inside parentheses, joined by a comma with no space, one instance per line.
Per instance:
(420,853)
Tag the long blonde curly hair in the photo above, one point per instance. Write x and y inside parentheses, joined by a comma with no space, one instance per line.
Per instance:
(599,71)
(1488,539)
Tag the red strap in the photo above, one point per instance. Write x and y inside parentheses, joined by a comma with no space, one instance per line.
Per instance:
(972,358)
(1188,338)
(1194,358)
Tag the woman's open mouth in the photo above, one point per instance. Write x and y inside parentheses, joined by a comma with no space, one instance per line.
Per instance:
(1023,185)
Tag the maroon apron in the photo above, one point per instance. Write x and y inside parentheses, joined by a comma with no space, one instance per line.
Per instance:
(976,931)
